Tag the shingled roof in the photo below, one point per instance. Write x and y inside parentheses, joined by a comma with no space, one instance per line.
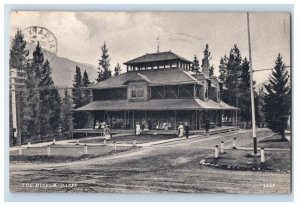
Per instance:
(155,57)
(160,104)
(153,77)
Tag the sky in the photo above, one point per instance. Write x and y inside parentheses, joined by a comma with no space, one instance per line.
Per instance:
(128,35)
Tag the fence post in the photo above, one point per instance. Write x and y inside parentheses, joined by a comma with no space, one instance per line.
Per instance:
(85,149)
(115,146)
(77,142)
(233,143)
(217,151)
(222,147)
(262,155)
(134,143)
(20,150)
(104,141)
(48,150)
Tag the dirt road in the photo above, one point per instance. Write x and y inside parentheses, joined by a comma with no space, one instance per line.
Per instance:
(172,167)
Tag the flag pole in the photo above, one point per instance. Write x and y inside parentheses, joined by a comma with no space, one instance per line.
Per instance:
(251,89)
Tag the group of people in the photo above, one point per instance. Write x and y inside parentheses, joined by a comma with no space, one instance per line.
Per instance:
(163,126)
(106,129)
(140,128)
(183,129)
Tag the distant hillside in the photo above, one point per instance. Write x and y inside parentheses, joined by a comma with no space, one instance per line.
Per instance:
(63,70)
(260,85)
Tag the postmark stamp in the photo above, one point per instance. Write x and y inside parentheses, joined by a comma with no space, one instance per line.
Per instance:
(44,36)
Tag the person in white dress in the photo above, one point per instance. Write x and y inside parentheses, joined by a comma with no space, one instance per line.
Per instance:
(180,129)
(106,132)
(137,128)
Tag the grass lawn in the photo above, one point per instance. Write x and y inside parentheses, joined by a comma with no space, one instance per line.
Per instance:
(128,139)
(64,153)
(275,160)
(272,142)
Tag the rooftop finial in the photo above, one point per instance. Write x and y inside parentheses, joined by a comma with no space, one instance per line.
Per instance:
(158,41)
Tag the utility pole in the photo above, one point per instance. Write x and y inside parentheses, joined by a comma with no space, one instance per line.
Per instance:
(251,89)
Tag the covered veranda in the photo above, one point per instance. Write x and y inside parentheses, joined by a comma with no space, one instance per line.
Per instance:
(123,115)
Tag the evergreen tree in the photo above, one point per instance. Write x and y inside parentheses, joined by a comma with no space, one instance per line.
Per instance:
(76,92)
(18,54)
(78,101)
(195,65)
(222,78)
(66,117)
(54,111)
(104,65)
(277,99)
(223,69)
(205,61)
(211,71)
(18,60)
(233,76)
(86,93)
(245,97)
(117,70)
(31,126)
(49,109)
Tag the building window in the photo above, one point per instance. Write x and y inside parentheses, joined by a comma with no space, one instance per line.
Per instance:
(137,93)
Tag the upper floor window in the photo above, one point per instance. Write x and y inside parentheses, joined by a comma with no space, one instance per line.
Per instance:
(137,93)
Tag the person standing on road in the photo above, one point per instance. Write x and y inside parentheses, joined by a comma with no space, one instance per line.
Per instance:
(106,132)
(180,130)
(187,130)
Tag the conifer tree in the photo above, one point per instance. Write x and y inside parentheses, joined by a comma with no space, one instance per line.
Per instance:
(86,93)
(104,71)
(277,98)
(222,78)
(76,92)
(205,61)
(245,97)
(211,71)
(49,109)
(195,65)
(78,101)
(18,59)
(66,117)
(233,76)
(30,125)
(117,70)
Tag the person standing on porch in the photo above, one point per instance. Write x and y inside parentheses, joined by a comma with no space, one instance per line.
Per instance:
(207,125)
(143,126)
(187,130)
(137,128)
(180,130)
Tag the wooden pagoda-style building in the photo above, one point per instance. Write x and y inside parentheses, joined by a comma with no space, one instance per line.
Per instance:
(159,88)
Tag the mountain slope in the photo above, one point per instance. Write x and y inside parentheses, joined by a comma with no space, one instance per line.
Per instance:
(63,70)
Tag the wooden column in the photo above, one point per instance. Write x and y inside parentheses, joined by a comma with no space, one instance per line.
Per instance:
(133,122)
(175,120)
